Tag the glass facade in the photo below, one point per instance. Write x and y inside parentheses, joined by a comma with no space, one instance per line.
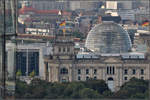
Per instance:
(27,62)
(108,37)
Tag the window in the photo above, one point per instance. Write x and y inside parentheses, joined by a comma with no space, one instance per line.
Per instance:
(125,71)
(133,71)
(125,78)
(79,71)
(95,78)
(95,71)
(64,71)
(142,71)
(107,70)
(64,80)
(142,78)
(87,78)
(68,49)
(87,71)
(111,70)
(64,49)
(59,49)
(79,78)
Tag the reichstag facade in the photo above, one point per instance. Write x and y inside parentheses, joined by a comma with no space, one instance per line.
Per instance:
(107,55)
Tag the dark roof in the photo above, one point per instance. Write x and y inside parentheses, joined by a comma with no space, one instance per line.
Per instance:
(116,19)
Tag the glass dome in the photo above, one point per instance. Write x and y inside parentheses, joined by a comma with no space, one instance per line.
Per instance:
(108,37)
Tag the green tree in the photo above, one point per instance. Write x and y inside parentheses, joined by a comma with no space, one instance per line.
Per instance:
(72,90)
(98,85)
(32,74)
(107,93)
(135,88)
(19,73)
(21,89)
(89,93)
(37,88)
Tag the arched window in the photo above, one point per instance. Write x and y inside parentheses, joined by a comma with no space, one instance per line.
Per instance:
(142,78)
(111,83)
(110,79)
(63,71)
(87,78)
(95,78)
(125,78)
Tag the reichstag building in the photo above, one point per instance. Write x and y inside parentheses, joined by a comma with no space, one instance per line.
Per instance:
(107,55)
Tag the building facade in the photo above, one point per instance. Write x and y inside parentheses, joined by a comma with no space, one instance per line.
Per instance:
(27,58)
(65,65)
(47,5)
(85,5)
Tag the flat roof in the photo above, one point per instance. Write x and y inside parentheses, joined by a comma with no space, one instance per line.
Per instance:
(131,55)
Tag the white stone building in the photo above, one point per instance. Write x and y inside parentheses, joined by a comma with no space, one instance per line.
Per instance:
(115,66)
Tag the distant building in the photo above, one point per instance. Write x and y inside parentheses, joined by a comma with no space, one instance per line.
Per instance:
(27,58)
(38,31)
(139,46)
(28,14)
(118,4)
(127,14)
(125,4)
(111,4)
(116,19)
(142,14)
(47,5)
(27,61)
(83,5)
(106,55)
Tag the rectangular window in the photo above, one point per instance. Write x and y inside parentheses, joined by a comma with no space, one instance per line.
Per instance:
(79,71)
(64,49)
(113,70)
(107,70)
(68,49)
(79,78)
(59,49)
(87,71)
(95,71)
(142,71)
(110,70)
(125,71)
(133,71)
